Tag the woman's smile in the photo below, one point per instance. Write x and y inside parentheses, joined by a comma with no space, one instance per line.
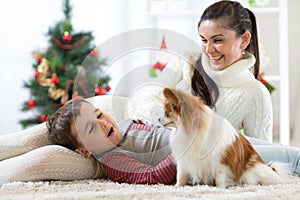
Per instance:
(221,45)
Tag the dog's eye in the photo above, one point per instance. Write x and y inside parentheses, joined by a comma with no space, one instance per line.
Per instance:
(174,106)
(166,114)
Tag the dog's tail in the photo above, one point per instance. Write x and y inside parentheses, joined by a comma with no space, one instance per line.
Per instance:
(282,169)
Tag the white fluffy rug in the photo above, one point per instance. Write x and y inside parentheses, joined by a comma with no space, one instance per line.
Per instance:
(104,189)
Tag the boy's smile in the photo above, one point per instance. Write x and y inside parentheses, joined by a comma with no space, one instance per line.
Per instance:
(96,130)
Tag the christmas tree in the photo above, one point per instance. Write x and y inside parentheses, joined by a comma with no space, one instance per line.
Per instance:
(70,67)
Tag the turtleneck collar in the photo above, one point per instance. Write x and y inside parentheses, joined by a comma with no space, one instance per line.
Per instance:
(232,76)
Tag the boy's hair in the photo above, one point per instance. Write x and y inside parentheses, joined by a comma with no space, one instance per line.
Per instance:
(61,124)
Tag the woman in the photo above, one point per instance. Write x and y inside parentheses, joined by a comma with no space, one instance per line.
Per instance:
(222,74)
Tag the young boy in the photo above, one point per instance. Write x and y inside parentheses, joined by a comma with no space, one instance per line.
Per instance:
(130,151)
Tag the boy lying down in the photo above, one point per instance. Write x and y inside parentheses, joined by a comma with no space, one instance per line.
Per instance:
(125,151)
(129,151)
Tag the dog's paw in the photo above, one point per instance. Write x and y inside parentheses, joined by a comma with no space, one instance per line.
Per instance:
(221,185)
(178,184)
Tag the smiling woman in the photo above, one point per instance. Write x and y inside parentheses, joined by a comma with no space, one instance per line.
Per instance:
(229,27)
(223,49)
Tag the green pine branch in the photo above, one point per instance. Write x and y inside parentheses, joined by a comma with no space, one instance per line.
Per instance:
(67,9)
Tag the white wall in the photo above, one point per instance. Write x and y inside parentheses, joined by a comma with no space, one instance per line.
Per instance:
(294,44)
(24,25)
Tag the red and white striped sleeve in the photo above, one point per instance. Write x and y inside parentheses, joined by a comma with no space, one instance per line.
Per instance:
(124,169)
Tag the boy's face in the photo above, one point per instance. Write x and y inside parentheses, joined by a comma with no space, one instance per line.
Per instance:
(97,131)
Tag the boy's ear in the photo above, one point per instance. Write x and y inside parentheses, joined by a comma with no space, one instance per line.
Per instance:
(82,151)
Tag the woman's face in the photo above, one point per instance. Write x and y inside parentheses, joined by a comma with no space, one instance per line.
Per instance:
(221,45)
(96,130)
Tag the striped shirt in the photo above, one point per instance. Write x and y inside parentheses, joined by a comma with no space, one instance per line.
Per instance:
(142,157)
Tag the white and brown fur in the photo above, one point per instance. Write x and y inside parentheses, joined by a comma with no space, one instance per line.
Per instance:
(208,149)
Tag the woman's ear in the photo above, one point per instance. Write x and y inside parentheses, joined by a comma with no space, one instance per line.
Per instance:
(82,151)
(246,37)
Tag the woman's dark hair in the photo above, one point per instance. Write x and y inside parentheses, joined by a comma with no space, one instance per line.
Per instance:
(232,15)
(203,86)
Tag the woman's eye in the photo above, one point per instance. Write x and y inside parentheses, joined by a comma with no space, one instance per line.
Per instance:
(218,41)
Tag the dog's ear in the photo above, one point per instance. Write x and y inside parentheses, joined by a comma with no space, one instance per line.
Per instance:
(170,94)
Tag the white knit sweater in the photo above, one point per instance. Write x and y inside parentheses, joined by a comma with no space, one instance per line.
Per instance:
(243,101)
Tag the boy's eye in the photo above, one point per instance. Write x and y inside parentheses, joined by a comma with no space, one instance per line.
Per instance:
(98,116)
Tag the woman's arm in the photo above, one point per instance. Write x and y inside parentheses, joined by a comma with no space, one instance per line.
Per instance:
(179,71)
(124,169)
(146,102)
(258,123)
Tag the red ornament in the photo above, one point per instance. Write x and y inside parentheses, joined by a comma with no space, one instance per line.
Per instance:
(108,88)
(43,118)
(54,78)
(158,65)
(261,78)
(39,59)
(263,81)
(99,91)
(94,52)
(163,43)
(67,36)
(36,74)
(31,104)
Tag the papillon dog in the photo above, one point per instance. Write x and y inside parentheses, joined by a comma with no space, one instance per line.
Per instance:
(208,150)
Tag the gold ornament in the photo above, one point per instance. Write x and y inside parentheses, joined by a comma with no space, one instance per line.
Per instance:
(53,92)
(42,69)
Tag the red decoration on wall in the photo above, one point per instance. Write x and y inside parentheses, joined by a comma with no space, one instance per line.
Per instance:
(159,65)
(163,43)
(261,78)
